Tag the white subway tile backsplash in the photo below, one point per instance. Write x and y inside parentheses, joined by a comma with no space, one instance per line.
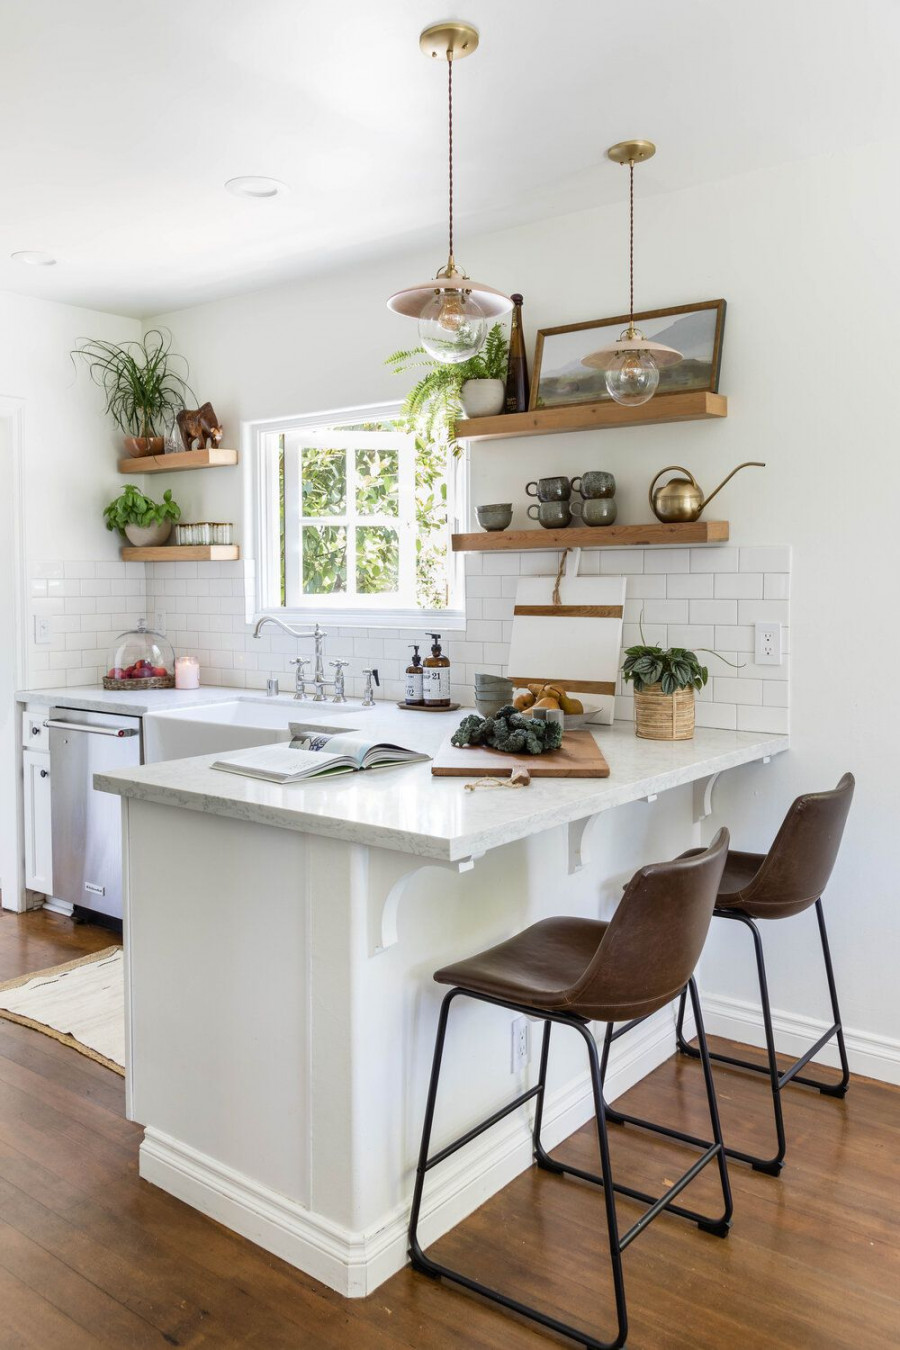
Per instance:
(739,585)
(773,720)
(713,611)
(714,559)
(689,585)
(763,611)
(687,597)
(667,560)
(775,558)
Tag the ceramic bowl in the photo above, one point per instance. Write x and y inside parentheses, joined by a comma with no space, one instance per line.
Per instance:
(494,517)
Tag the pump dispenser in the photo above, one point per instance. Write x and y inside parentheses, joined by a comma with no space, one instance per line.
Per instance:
(436,676)
(414,697)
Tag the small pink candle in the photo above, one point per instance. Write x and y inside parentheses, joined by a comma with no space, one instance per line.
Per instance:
(187,672)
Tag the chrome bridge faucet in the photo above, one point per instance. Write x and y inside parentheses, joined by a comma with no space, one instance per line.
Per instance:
(319,683)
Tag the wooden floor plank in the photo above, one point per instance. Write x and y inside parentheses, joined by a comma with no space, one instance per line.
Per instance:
(92,1256)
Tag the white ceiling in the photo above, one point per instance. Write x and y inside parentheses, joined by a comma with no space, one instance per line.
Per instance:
(122,121)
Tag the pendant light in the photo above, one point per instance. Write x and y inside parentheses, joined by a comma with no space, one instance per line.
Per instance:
(451,309)
(632,364)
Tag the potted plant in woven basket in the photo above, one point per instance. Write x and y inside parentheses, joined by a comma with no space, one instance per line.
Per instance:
(664,684)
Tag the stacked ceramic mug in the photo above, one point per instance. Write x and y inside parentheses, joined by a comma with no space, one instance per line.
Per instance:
(598,490)
(553,508)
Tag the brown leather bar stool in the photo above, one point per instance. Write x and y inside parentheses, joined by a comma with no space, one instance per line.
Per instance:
(787,880)
(572,972)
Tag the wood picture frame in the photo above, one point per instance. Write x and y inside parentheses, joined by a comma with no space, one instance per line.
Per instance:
(560,380)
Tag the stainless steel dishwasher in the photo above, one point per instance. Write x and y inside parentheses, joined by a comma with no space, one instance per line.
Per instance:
(87,825)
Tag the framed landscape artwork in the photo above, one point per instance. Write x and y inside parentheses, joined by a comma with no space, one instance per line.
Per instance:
(560,379)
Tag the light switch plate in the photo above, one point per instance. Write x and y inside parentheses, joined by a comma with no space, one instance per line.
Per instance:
(767,644)
(42,630)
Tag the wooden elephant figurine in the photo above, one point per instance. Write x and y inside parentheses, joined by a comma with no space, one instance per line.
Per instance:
(201,426)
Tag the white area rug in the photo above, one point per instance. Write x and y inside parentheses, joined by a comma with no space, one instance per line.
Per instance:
(81,1004)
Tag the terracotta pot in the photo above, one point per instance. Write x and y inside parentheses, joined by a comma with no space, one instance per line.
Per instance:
(148,536)
(144,445)
(482,398)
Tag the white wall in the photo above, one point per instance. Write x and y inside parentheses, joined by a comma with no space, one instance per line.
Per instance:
(806,256)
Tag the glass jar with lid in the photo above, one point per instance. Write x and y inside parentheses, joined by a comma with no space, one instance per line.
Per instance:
(143,659)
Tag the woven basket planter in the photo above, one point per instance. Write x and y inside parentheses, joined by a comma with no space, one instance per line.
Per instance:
(664,717)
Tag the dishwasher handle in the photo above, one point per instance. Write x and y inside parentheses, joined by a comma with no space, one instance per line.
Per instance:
(94,731)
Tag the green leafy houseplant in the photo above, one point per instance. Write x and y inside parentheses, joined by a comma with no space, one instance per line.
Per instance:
(433,404)
(144,381)
(133,508)
(675,668)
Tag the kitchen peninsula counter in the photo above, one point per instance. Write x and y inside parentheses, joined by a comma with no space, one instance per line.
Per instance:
(280,944)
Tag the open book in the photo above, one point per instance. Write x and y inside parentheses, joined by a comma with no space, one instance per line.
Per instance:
(312,754)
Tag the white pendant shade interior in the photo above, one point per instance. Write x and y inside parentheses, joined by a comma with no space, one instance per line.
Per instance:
(452,310)
(632,363)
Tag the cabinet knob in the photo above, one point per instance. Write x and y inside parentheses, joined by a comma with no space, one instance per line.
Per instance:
(35,729)
(45,773)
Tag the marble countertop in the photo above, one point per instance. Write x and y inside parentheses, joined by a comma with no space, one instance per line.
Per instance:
(406,809)
(94,698)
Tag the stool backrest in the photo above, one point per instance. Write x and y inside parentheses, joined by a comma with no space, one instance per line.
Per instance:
(654,939)
(797,867)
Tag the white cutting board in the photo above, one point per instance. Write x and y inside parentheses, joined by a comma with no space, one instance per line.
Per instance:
(575,644)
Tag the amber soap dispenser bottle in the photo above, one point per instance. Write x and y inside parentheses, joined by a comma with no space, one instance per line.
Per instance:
(414,697)
(436,676)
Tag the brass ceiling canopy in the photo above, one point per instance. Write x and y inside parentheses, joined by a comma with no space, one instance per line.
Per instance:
(630,152)
(449,40)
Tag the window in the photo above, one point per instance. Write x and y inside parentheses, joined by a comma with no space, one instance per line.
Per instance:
(354,518)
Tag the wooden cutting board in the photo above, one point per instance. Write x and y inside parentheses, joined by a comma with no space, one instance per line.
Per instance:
(579,756)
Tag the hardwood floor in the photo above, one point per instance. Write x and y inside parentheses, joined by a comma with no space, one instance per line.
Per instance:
(92,1256)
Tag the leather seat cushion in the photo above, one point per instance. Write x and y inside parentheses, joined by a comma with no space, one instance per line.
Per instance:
(536,967)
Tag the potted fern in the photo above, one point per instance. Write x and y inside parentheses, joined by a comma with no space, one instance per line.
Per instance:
(440,396)
(145,384)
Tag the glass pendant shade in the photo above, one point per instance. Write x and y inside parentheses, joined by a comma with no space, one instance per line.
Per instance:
(452,327)
(632,378)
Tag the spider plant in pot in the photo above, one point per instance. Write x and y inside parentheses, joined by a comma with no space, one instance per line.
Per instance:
(444,392)
(664,686)
(144,382)
(142,521)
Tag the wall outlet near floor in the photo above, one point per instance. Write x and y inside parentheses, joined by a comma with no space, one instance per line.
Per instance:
(42,630)
(520,1050)
(767,644)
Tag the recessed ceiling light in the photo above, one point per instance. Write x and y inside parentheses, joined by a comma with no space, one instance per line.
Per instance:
(253,186)
(34,258)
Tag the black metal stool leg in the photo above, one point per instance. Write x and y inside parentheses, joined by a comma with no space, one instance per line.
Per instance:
(417,1256)
(831,1089)
(721,1228)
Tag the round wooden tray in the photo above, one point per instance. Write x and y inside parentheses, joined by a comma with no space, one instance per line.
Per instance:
(154,682)
(424,707)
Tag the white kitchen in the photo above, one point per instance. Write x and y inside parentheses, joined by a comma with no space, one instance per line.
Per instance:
(402,667)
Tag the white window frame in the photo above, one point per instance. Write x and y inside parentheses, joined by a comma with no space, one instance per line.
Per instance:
(261,530)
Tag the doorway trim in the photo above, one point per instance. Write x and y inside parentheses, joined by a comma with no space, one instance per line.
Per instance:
(12,414)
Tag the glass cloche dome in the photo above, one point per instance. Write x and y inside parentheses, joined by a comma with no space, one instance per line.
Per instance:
(143,656)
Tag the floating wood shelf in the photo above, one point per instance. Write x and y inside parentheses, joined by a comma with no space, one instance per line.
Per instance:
(586,536)
(690,407)
(183,459)
(184,553)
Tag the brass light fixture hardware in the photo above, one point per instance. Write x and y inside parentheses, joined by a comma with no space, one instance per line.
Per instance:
(452,310)
(632,363)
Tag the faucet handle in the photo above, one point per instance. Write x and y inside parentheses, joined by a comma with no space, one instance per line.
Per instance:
(301,661)
(339,665)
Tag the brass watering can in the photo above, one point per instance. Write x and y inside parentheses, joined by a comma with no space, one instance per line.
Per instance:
(682,498)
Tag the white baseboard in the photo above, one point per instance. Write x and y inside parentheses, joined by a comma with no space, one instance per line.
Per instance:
(870,1055)
(355,1263)
(59,906)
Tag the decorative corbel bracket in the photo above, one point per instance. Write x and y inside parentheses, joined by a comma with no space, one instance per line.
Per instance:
(703,795)
(577,829)
(387,893)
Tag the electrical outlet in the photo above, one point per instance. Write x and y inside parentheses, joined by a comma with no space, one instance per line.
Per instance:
(767,645)
(41,630)
(520,1051)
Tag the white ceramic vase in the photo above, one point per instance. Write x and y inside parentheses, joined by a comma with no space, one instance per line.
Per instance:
(482,398)
(148,536)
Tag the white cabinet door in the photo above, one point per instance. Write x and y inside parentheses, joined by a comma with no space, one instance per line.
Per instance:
(38,828)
